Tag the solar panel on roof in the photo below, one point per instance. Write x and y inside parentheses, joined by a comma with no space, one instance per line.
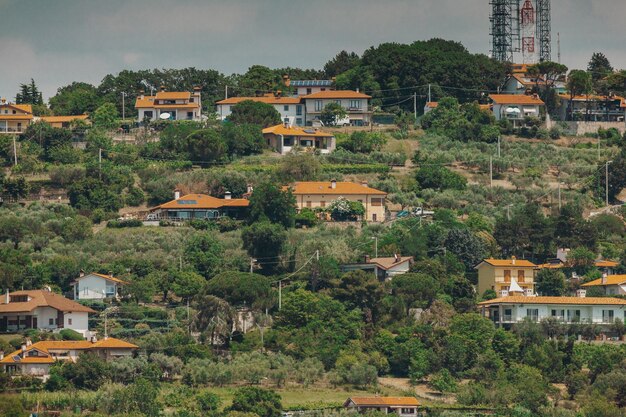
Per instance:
(309,131)
(17,358)
(311,83)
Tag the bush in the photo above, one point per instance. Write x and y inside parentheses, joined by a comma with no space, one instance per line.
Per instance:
(118,224)
(443,381)
(69,334)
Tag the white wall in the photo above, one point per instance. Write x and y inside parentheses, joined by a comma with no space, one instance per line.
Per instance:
(44,314)
(313,110)
(80,321)
(92,287)
(401,268)
(224,110)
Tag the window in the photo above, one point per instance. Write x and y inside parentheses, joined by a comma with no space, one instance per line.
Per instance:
(573,316)
(286,107)
(50,322)
(299,121)
(323,204)
(148,114)
(608,316)
(288,141)
(355,104)
(308,91)
(319,105)
(408,411)
(377,202)
(299,110)
(189,115)
(191,100)
(69,322)
(532,314)
(338,102)
(520,276)
(558,314)
(308,204)
(507,275)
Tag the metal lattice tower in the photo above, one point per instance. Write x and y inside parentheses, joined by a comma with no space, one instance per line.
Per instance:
(544,35)
(504,29)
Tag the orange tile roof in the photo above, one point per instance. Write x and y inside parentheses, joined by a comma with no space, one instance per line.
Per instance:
(146,101)
(606,264)
(267,98)
(432,104)
(202,201)
(509,262)
(173,95)
(610,280)
(592,97)
(384,401)
(556,300)
(177,106)
(337,94)
(296,131)
(107,277)
(521,99)
(342,188)
(47,346)
(390,262)
(26,108)
(41,298)
(559,265)
(63,119)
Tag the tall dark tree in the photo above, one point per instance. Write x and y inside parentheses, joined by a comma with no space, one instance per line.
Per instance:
(254,112)
(269,202)
(341,63)
(599,66)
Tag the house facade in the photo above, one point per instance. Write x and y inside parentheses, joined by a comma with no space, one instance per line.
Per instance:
(283,138)
(64,122)
(169,105)
(200,206)
(14,118)
(356,105)
(35,359)
(610,284)
(291,109)
(385,268)
(96,286)
(525,84)
(320,194)
(593,108)
(501,274)
(516,107)
(505,311)
(42,309)
(401,406)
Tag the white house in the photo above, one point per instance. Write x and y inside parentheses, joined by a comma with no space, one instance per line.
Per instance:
(171,105)
(14,118)
(515,107)
(610,284)
(291,109)
(505,311)
(356,105)
(96,286)
(384,268)
(401,406)
(35,359)
(42,309)
(283,138)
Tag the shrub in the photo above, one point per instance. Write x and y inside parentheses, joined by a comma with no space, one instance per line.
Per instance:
(69,334)
(118,224)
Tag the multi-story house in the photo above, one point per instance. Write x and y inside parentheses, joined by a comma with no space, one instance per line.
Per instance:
(14,118)
(506,311)
(169,105)
(593,108)
(501,274)
(291,109)
(42,309)
(96,286)
(610,284)
(320,194)
(516,107)
(284,137)
(356,105)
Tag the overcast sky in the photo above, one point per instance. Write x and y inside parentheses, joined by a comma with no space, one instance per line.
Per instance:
(60,41)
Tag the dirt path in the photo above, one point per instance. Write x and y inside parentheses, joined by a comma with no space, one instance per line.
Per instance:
(420,390)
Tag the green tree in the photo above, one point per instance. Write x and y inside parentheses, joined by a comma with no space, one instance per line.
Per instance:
(243,139)
(264,240)
(467,246)
(239,288)
(332,114)
(550,282)
(439,178)
(579,82)
(262,402)
(254,112)
(599,66)
(364,142)
(74,99)
(11,406)
(105,117)
(88,372)
(208,402)
(360,289)
(206,145)
(341,63)
(415,289)
(300,167)
(269,202)
(187,284)
(204,252)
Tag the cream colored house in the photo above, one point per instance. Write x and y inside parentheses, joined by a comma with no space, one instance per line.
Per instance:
(291,109)
(356,105)
(35,359)
(171,105)
(610,284)
(64,122)
(14,118)
(501,275)
(283,138)
(320,194)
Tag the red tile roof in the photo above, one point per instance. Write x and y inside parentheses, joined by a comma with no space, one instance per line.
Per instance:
(41,298)
(509,262)
(520,99)
(390,262)
(267,98)
(610,280)
(56,345)
(202,201)
(341,188)
(384,401)
(296,131)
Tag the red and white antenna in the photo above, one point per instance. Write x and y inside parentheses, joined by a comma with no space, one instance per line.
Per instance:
(529,32)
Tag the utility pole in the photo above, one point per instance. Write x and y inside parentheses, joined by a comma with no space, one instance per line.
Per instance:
(252,265)
(123,106)
(558,42)
(429,95)
(280,295)
(14,152)
(415,105)
(559,196)
(499,146)
(226,92)
(375,246)
(100,163)
(606,183)
(491,171)
(508,212)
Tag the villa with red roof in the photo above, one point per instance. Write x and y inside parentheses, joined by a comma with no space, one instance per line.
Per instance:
(200,206)
(610,284)
(283,138)
(515,107)
(14,118)
(291,109)
(169,105)
(501,275)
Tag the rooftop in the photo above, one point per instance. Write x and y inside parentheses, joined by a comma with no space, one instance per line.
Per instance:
(63,119)
(610,280)
(384,401)
(173,95)
(295,131)
(41,298)
(310,83)
(516,99)
(341,188)
(509,262)
(389,262)
(556,300)
(267,98)
(107,277)
(202,201)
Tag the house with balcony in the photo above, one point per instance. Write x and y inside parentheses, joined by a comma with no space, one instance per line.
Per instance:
(96,286)
(506,311)
(35,359)
(200,206)
(516,107)
(291,109)
(385,268)
(320,194)
(356,105)
(610,284)
(500,274)
(14,118)
(521,83)
(592,108)
(400,406)
(283,138)
(44,310)
(169,105)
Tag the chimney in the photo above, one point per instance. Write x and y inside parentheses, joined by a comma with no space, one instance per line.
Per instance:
(3,100)
(278,94)
(286,80)
(364,184)
(23,347)
(81,273)
(176,194)
(7,298)
(141,94)
(162,88)
(28,342)
(1,354)
(366,259)
(604,278)
(47,288)
(333,184)
(396,258)
(286,124)
(94,339)
(513,258)
(357,90)
(249,188)
(581,293)
(228,195)
(110,274)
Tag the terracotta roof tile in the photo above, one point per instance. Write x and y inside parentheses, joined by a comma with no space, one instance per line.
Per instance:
(107,277)
(268,99)
(202,201)
(342,188)
(385,401)
(55,345)
(610,280)
(516,99)
(336,94)
(295,131)
(41,298)
(146,101)
(509,262)
(173,95)
(556,300)
(387,263)
(63,119)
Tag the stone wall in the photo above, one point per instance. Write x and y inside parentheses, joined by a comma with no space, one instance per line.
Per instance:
(583,128)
